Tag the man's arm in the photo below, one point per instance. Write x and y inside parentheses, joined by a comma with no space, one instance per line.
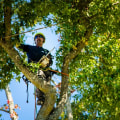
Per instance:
(23,47)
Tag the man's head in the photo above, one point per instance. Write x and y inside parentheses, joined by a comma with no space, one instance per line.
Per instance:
(39,39)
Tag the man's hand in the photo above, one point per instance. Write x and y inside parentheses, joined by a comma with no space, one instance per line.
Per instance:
(44,61)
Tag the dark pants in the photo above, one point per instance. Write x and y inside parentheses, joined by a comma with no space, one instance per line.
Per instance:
(46,75)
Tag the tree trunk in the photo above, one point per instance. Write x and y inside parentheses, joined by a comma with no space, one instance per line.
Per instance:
(10,103)
(48,106)
(69,109)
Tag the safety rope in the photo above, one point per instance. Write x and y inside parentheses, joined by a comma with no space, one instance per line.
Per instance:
(54,71)
(59,72)
(27,92)
(35,110)
(28,31)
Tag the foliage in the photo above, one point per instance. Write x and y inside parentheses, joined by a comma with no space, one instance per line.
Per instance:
(94,72)
(98,80)
(8,71)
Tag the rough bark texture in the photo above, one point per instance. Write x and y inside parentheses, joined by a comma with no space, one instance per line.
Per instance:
(7,17)
(69,109)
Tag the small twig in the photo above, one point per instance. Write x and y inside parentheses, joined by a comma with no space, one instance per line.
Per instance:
(115,3)
(4,110)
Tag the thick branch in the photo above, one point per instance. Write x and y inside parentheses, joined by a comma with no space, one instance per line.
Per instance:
(44,112)
(11,103)
(59,108)
(69,110)
(72,55)
(7,22)
(7,17)
(64,86)
(49,90)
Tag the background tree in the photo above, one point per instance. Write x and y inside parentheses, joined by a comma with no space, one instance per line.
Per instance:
(10,107)
(89,52)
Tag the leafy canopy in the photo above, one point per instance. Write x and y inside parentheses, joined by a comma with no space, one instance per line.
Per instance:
(94,72)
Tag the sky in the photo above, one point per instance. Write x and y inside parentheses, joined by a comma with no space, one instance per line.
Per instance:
(18,89)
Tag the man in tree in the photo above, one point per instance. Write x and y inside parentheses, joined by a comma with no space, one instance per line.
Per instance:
(34,54)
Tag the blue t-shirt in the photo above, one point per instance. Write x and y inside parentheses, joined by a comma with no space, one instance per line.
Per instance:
(35,53)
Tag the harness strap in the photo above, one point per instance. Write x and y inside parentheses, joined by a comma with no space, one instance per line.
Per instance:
(27,83)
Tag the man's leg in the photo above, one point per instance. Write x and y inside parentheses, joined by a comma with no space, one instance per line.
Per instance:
(41,97)
(39,94)
(46,75)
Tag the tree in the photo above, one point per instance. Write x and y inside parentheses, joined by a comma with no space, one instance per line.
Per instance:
(10,106)
(89,52)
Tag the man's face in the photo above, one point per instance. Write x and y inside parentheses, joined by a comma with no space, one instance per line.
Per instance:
(39,40)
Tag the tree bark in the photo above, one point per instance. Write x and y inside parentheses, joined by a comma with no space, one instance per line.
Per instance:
(69,109)
(10,103)
(7,17)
